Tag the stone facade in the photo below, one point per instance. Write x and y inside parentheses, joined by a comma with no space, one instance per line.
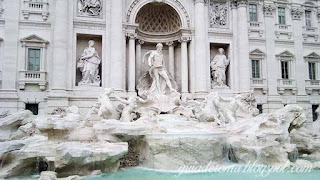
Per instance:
(272,47)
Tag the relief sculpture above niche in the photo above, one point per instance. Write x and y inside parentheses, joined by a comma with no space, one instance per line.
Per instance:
(218,13)
(90,8)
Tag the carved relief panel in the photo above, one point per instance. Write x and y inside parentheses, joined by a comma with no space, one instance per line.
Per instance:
(218,14)
(89,8)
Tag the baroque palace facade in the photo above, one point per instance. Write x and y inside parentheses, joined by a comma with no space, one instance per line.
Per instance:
(271,47)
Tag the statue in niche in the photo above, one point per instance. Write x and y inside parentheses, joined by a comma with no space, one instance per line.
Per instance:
(157,80)
(219,66)
(89,65)
(89,7)
(218,14)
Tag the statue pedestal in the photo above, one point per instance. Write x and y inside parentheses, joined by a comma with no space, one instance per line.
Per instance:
(162,103)
(89,84)
(225,90)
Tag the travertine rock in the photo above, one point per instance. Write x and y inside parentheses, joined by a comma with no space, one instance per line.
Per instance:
(11,123)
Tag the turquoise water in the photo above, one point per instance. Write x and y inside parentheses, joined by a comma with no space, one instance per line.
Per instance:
(140,174)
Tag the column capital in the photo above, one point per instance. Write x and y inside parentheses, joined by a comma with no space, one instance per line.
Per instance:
(140,41)
(238,3)
(131,35)
(170,43)
(269,9)
(184,39)
(296,13)
(200,1)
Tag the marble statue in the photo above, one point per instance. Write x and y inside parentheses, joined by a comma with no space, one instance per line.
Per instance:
(157,80)
(106,109)
(89,7)
(128,114)
(89,66)
(219,66)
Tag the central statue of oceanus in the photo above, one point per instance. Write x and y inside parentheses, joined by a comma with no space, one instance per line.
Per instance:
(157,80)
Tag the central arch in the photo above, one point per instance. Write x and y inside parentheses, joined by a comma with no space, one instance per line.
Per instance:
(136,6)
(158,19)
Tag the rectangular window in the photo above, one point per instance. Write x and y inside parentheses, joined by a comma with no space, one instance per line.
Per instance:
(255,68)
(253,12)
(33,59)
(312,71)
(285,69)
(259,107)
(282,15)
(34,108)
(314,112)
(308,18)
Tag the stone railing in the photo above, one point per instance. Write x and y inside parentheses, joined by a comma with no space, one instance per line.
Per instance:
(283,27)
(309,29)
(259,83)
(40,8)
(253,24)
(32,77)
(287,84)
(312,85)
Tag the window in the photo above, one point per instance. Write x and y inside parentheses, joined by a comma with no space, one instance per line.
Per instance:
(282,15)
(285,69)
(314,112)
(34,108)
(259,107)
(255,68)
(253,12)
(308,18)
(312,71)
(33,59)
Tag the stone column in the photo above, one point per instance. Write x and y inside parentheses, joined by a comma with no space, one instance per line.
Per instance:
(60,46)
(8,94)
(171,58)
(243,46)
(272,64)
(184,65)
(11,35)
(201,47)
(234,80)
(138,60)
(296,13)
(192,64)
(116,37)
(132,62)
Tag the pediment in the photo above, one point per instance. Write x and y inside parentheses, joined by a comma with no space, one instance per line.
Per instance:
(257,52)
(34,39)
(313,55)
(285,54)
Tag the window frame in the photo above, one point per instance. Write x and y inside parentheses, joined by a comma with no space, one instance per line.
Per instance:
(287,68)
(27,58)
(309,19)
(256,13)
(313,58)
(313,76)
(286,56)
(284,15)
(259,68)
(34,42)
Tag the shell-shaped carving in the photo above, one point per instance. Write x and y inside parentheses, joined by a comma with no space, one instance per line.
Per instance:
(158,18)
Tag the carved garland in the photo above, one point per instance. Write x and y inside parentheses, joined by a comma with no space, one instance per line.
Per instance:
(269,9)
(135,2)
(296,13)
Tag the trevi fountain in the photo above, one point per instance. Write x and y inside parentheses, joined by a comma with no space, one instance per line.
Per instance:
(155,130)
